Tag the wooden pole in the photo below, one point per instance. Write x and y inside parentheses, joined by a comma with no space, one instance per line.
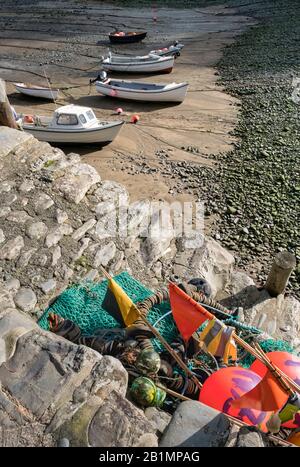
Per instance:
(162,340)
(283,265)
(6,115)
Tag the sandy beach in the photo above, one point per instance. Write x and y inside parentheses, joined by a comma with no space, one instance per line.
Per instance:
(68,50)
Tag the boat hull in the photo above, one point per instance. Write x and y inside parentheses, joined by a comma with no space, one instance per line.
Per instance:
(176,94)
(161,66)
(99,136)
(41,93)
(127,39)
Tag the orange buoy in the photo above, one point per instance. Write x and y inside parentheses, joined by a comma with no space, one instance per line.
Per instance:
(228,384)
(28,119)
(135,118)
(289,364)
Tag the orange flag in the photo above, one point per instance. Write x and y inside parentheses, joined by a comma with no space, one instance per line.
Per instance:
(187,313)
(267,396)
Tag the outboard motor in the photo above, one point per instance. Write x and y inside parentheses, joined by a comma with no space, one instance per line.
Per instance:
(103,76)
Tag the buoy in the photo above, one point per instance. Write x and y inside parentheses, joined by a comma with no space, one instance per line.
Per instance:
(286,362)
(228,384)
(119,110)
(135,118)
(28,118)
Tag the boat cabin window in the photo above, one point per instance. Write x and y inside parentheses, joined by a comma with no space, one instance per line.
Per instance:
(82,118)
(67,119)
(90,114)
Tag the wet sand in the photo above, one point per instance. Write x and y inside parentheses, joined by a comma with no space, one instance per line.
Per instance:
(66,40)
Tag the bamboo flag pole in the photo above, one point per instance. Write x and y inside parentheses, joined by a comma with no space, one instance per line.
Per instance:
(161,339)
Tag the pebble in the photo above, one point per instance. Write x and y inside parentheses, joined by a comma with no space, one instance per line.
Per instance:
(12,248)
(36,230)
(2,236)
(43,203)
(25,299)
(48,286)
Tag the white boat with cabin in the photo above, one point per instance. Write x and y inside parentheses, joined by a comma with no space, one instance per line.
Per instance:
(37,91)
(71,124)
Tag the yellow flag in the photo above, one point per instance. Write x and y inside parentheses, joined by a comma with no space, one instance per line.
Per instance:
(126,305)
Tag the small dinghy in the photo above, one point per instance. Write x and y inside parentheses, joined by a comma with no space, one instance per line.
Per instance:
(120,37)
(139,91)
(37,91)
(147,64)
(71,124)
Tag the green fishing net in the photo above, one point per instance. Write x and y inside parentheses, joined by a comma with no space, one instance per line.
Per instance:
(82,303)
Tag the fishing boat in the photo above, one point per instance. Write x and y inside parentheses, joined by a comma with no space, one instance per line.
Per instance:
(37,91)
(120,37)
(71,124)
(147,64)
(174,49)
(138,91)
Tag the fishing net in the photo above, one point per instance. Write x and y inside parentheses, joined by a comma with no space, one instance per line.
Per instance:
(82,303)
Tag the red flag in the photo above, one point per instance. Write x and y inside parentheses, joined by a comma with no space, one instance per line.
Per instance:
(187,313)
(268,395)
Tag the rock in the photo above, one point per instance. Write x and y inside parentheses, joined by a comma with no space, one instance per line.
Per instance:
(36,230)
(26,186)
(56,255)
(113,193)
(83,229)
(4,211)
(43,203)
(61,216)
(12,285)
(148,440)
(12,248)
(250,437)
(233,436)
(25,299)
(211,261)
(105,255)
(48,286)
(196,425)
(157,244)
(65,229)
(92,275)
(53,237)
(6,186)
(118,423)
(76,182)
(159,419)
(9,198)
(25,258)
(84,244)
(2,236)
(273,315)
(46,369)
(6,299)
(11,139)
(18,216)
(63,443)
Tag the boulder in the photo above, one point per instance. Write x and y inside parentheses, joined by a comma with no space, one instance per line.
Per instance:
(159,419)
(118,423)
(250,437)
(196,425)
(210,261)
(25,299)
(76,182)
